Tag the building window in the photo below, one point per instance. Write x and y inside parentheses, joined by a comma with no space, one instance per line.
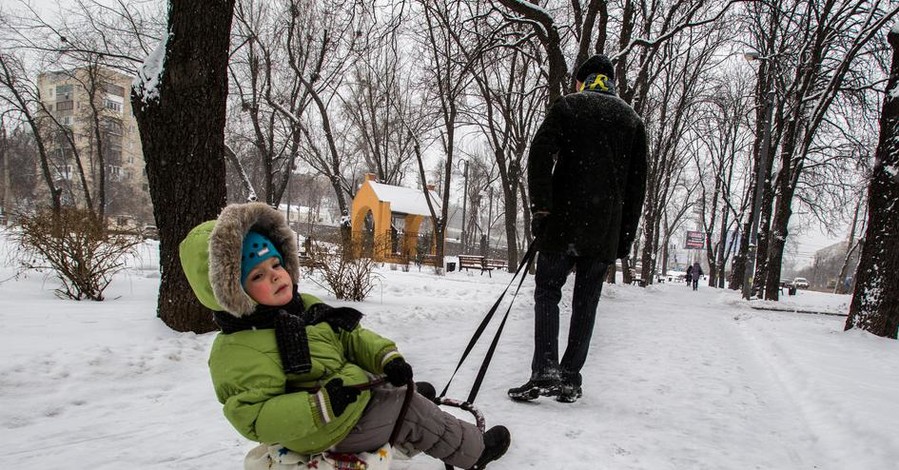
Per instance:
(64,105)
(64,92)
(116,173)
(114,89)
(113,105)
(114,156)
(112,126)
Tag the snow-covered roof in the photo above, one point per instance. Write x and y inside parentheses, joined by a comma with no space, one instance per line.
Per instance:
(405,200)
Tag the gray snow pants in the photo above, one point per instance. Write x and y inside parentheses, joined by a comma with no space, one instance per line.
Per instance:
(426,427)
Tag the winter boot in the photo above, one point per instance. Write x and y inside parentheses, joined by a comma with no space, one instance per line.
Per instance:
(426,390)
(496,443)
(569,393)
(534,388)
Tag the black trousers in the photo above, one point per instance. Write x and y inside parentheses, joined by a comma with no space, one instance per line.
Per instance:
(552,272)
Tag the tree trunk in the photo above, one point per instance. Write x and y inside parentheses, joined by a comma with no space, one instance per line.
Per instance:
(510,203)
(769,261)
(626,277)
(840,286)
(875,303)
(738,265)
(180,110)
(776,242)
(650,225)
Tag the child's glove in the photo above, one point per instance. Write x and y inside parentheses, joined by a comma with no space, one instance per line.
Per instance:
(398,372)
(340,396)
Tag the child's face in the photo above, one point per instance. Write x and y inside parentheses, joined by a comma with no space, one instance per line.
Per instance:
(269,284)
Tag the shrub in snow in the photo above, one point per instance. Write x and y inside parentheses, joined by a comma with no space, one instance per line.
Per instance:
(79,248)
(343,268)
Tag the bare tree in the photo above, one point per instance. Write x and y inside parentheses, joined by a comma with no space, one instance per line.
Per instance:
(382,110)
(813,59)
(853,245)
(86,42)
(253,76)
(451,50)
(322,40)
(18,152)
(875,302)
(21,94)
(680,204)
(509,102)
(723,131)
(641,34)
(179,102)
(672,107)
(268,99)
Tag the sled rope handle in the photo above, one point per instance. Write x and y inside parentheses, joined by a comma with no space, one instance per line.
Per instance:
(410,390)
(526,262)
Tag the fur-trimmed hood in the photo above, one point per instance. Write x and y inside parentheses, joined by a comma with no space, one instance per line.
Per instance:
(211,254)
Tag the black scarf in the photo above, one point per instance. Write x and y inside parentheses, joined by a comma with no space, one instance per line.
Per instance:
(289,322)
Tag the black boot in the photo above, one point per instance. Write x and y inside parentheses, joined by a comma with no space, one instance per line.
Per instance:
(426,390)
(548,387)
(569,393)
(496,443)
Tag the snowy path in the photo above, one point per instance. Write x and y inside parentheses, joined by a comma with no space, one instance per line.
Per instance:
(675,380)
(694,391)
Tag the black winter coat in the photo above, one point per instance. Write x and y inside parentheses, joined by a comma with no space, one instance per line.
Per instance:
(595,192)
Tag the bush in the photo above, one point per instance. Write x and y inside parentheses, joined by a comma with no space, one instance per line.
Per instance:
(77,246)
(343,268)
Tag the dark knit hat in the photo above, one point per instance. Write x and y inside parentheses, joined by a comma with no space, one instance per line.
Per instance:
(256,249)
(599,63)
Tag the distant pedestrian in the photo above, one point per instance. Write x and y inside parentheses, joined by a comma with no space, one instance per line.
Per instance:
(697,272)
(689,275)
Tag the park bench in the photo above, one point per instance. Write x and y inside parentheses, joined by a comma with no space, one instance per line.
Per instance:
(497,263)
(467,262)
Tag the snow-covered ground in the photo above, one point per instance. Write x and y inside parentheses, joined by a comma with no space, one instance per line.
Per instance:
(676,379)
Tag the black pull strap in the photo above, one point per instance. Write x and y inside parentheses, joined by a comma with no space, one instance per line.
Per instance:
(525,263)
(489,356)
(410,390)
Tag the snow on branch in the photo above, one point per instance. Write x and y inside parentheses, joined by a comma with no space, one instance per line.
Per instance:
(146,84)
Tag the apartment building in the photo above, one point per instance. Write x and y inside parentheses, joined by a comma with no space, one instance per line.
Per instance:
(87,114)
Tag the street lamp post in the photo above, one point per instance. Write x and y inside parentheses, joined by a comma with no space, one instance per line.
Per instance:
(759,190)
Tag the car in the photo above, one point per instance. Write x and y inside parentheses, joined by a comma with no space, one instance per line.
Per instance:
(787,286)
(800,283)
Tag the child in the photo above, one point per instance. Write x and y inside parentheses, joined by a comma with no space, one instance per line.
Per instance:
(293,371)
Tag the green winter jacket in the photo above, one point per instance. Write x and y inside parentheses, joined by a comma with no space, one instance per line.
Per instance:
(262,402)
(265,405)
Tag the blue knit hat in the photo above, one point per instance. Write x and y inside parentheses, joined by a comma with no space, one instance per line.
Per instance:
(256,249)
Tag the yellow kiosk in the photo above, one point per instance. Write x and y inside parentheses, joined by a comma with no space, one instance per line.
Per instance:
(386,220)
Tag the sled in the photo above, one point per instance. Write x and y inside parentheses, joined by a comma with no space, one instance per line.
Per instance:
(277,457)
